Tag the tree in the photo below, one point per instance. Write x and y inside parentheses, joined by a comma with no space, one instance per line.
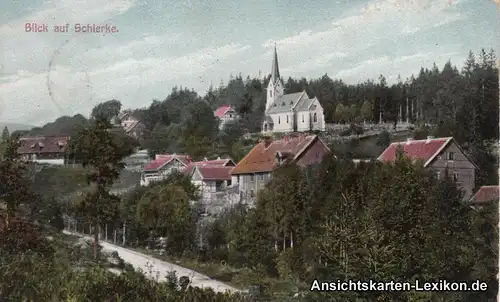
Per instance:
(101,152)
(366,111)
(340,113)
(106,110)
(5,134)
(13,184)
(166,212)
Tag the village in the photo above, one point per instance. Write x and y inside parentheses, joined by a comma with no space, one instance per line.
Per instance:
(291,133)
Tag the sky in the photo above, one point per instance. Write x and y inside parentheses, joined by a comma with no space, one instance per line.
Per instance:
(196,43)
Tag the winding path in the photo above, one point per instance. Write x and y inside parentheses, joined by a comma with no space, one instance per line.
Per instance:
(158,269)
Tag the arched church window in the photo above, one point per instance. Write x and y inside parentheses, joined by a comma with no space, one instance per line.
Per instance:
(279,120)
(271,93)
(302,117)
(265,127)
(287,119)
(315,117)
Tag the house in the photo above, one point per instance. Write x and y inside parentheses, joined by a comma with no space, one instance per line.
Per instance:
(130,124)
(254,171)
(484,195)
(44,149)
(212,181)
(438,154)
(225,114)
(162,166)
(295,112)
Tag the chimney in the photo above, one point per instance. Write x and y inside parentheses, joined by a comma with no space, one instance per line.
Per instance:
(430,137)
(205,159)
(267,140)
(409,140)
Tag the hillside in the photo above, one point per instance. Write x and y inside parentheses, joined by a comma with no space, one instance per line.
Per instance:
(16,127)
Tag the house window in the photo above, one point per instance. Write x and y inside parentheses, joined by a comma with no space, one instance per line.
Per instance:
(279,120)
(252,177)
(438,175)
(455,176)
(238,179)
(230,115)
(252,194)
(302,117)
(451,155)
(261,176)
(287,119)
(315,117)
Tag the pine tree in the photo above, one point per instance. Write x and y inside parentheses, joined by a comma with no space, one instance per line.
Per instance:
(13,184)
(101,152)
(5,134)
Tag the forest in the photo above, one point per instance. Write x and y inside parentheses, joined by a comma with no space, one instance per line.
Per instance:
(333,221)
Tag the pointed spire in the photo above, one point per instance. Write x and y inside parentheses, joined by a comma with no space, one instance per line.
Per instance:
(275,72)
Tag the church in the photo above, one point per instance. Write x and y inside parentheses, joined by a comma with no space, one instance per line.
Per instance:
(294,112)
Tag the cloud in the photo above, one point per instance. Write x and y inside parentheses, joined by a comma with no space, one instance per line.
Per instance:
(76,88)
(359,32)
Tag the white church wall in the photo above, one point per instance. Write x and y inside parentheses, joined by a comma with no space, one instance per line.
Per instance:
(280,122)
(304,121)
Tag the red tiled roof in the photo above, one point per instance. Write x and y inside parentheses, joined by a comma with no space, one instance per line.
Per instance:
(163,159)
(215,172)
(263,159)
(214,162)
(425,149)
(222,110)
(43,144)
(486,194)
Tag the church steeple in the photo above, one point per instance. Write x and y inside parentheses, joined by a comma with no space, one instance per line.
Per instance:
(275,87)
(275,71)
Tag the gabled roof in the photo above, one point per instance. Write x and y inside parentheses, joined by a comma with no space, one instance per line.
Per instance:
(213,172)
(486,194)
(212,163)
(122,115)
(163,159)
(43,144)
(426,149)
(286,103)
(262,158)
(222,110)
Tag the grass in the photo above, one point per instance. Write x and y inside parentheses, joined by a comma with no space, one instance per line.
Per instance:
(239,278)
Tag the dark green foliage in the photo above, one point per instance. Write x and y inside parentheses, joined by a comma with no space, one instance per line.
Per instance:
(14,189)
(101,151)
(106,110)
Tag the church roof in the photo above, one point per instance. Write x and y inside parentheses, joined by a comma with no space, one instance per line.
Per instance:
(284,103)
(287,102)
(304,104)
